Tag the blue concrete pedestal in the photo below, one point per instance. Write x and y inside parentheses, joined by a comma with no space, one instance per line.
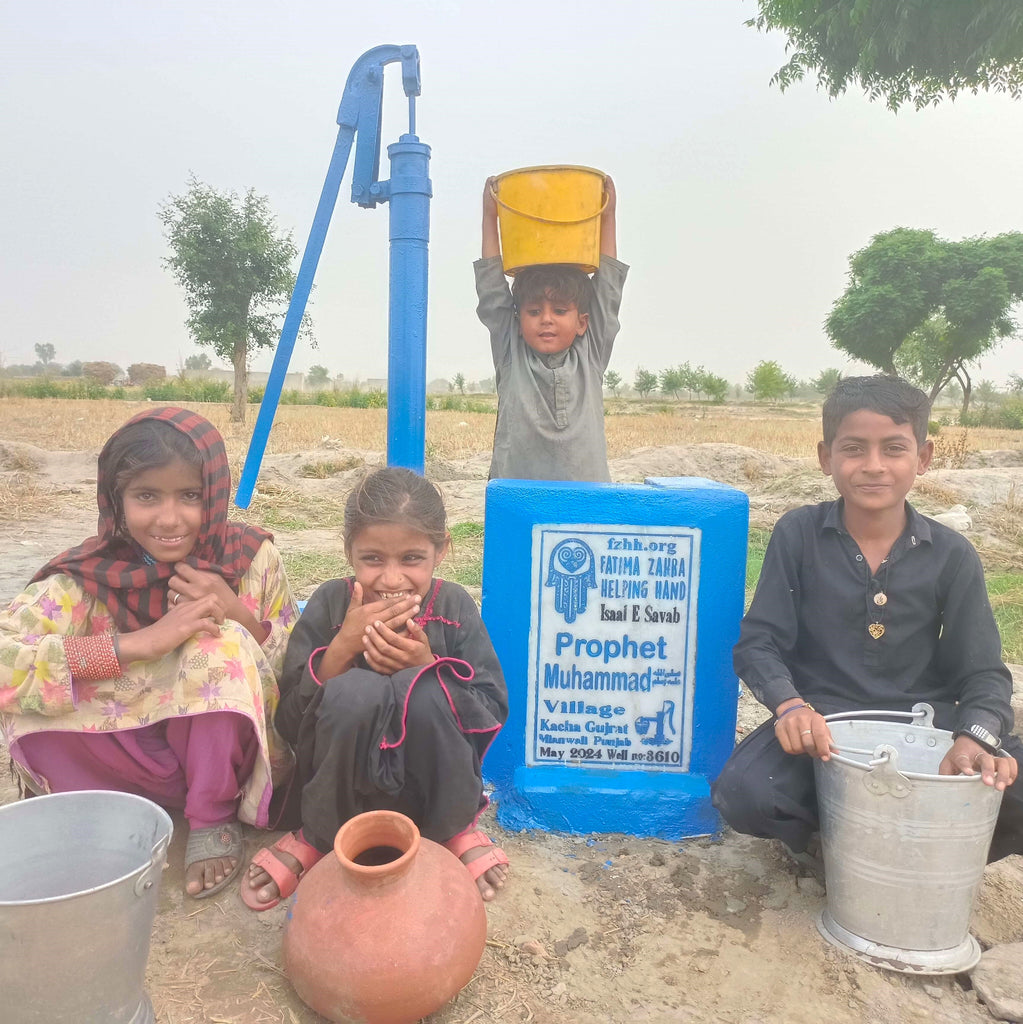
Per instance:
(613,610)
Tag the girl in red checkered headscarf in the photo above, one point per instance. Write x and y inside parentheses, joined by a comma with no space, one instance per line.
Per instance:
(146,658)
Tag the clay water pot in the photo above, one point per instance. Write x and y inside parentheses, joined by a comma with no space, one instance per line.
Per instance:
(386,930)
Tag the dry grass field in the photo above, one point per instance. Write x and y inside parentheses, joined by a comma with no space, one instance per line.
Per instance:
(66,424)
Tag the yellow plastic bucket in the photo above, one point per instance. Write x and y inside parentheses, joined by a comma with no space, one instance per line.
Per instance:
(550,215)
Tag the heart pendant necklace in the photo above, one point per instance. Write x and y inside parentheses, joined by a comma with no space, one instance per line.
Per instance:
(880,601)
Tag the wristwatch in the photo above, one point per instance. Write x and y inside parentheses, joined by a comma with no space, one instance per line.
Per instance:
(987,739)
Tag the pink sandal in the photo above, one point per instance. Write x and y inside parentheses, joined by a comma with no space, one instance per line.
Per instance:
(286,878)
(465,841)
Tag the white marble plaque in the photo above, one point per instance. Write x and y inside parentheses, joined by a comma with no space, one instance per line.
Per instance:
(612,646)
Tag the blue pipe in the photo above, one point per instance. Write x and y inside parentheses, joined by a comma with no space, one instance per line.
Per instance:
(293,318)
(410,191)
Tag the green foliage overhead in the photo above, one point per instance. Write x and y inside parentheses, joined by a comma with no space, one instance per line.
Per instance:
(235,268)
(925,306)
(901,51)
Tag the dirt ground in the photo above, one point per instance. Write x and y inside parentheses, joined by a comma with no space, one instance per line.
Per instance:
(589,928)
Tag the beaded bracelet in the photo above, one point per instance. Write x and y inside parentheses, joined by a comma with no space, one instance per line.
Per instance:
(93,658)
(795,707)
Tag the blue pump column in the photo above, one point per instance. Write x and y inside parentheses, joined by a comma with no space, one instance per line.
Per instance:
(409,190)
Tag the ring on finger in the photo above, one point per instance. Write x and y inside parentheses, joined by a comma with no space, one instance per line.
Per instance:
(806,732)
(177,597)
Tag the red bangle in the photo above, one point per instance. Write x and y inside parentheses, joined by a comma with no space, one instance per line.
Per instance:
(92,658)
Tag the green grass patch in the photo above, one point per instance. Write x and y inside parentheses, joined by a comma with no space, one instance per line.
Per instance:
(308,569)
(755,560)
(330,467)
(464,563)
(1005,589)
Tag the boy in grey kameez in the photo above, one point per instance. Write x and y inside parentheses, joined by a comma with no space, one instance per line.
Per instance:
(551,343)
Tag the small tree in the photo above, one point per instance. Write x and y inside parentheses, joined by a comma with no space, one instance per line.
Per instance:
(235,268)
(825,381)
(767,381)
(714,387)
(458,383)
(143,373)
(73,369)
(671,381)
(645,382)
(488,385)
(318,377)
(101,372)
(199,361)
(46,353)
(613,382)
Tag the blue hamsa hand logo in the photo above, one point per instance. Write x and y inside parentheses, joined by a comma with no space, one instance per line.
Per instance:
(571,572)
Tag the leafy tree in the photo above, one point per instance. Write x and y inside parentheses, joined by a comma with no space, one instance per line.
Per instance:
(73,369)
(318,377)
(46,353)
(458,382)
(900,50)
(488,385)
(645,382)
(987,394)
(101,372)
(144,373)
(945,303)
(672,381)
(199,361)
(713,386)
(235,268)
(768,381)
(613,381)
(825,381)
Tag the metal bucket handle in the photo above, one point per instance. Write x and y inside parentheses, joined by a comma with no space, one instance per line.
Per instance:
(883,776)
(151,873)
(921,710)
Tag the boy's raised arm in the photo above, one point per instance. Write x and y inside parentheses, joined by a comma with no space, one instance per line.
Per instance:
(491,240)
(608,225)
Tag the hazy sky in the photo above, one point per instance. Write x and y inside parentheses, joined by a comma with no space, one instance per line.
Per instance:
(738,205)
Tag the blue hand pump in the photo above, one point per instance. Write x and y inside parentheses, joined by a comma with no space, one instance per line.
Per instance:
(408,191)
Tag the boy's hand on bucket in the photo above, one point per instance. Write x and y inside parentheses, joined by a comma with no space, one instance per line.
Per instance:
(801,730)
(967,757)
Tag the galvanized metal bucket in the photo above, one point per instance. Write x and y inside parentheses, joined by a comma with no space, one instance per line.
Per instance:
(79,878)
(904,847)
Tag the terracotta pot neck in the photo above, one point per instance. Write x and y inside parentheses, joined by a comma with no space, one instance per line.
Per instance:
(377,847)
